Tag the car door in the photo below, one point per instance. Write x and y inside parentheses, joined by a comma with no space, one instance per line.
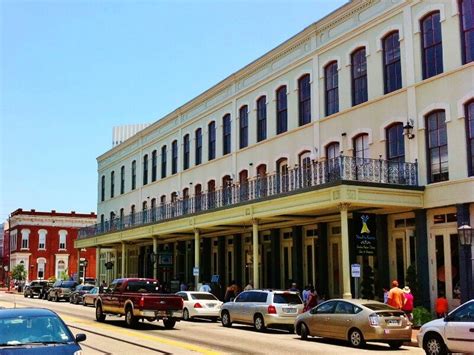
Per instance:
(236,307)
(341,320)
(320,318)
(459,329)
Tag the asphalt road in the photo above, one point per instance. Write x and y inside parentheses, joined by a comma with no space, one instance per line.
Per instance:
(200,336)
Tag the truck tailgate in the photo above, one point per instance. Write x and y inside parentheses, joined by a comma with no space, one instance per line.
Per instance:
(162,302)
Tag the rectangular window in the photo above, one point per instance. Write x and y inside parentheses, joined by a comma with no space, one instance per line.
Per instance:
(211,141)
(243,127)
(134,174)
(226,134)
(102,188)
(432,46)
(42,239)
(24,242)
(62,239)
(304,99)
(466,9)
(145,169)
(359,77)
(163,162)
(174,157)
(391,63)
(154,164)
(282,110)
(437,140)
(469,119)
(186,152)
(112,184)
(331,82)
(122,179)
(198,147)
(261,118)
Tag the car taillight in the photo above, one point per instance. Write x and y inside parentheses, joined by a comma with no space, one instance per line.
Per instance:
(271,309)
(197,305)
(142,302)
(374,320)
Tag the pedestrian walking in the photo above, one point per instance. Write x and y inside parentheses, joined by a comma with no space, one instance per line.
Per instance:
(396,296)
(441,306)
(249,286)
(102,287)
(231,291)
(205,287)
(408,305)
(312,299)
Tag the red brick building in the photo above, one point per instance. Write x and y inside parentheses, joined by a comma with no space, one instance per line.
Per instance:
(44,243)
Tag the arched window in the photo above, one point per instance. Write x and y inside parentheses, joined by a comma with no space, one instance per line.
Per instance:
(134,174)
(163,161)
(304,160)
(466,10)
(243,126)
(42,239)
(25,239)
(174,200)
(185,200)
(102,223)
(40,262)
(60,268)
(431,45)
(102,188)
(211,139)
(144,212)
(391,62)
(261,118)
(186,150)
(226,134)
(154,164)
(359,77)
(62,239)
(332,153)
(226,190)
(121,217)
(198,197)
(198,147)
(211,194)
(282,110)
(153,209)
(437,139)
(331,84)
(283,177)
(261,190)
(469,108)
(145,169)
(112,220)
(132,215)
(112,184)
(244,185)
(174,157)
(395,143)
(361,146)
(122,179)
(304,100)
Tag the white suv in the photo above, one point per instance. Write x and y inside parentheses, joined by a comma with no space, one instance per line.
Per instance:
(454,333)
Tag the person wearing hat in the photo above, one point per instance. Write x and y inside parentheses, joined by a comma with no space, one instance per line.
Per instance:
(408,303)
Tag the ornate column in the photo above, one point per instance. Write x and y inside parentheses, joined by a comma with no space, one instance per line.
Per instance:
(197,254)
(346,278)
(97,265)
(123,260)
(256,281)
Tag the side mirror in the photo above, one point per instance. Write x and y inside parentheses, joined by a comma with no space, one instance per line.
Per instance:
(80,337)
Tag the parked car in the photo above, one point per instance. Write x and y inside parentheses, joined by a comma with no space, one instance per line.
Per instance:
(34,331)
(79,292)
(35,288)
(61,290)
(451,334)
(46,289)
(263,308)
(357,321)
(90,297)
(200,305)
(139,299)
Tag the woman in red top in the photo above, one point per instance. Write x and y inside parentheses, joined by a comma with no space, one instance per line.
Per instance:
(312,300)
(408,303)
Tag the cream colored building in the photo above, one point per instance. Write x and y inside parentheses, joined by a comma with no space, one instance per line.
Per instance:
(287,206)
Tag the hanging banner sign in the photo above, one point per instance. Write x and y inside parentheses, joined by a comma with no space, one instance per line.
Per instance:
(365,240)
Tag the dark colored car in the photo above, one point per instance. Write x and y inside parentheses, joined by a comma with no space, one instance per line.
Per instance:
(36,331)
(89,298)
(35,288)
(78,294)
(61,290)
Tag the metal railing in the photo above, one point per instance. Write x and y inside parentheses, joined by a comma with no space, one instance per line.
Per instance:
(299,178)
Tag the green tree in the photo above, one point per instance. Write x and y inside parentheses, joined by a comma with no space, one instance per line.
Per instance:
(411,279)
(64,275)
(367,284)
(18,272)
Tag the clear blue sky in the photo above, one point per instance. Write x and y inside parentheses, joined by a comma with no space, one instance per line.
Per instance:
(71,70)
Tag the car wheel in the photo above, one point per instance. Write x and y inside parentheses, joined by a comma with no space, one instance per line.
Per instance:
(130,319)
(25,295)
(434,345)
(186,315)
(48,297)
(56,298)
(395,344)
(304,332)
(169,323)
(259,323)
(356,338)
(76,300)
(99,315)
(84,303)
(225,319)
(70,299)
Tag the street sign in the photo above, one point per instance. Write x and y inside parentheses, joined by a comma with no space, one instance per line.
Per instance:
(195,271)
(355,270)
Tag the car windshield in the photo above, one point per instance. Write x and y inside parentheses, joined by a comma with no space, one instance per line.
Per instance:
(68,284)
(87,288)
(378,307)
(203,296)
(30,330)
(143,286)
(287,298)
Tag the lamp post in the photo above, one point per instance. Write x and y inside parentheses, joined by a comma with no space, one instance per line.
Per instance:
(465,239)
(85,263)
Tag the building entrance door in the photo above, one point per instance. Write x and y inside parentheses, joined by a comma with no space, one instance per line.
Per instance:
(286,259)
(445,265)
(309,257)
(335,261)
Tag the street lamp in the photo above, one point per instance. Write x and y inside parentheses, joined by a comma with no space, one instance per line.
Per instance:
(465,239)
(85,263)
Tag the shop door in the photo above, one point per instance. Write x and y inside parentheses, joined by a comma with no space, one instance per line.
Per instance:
(446,265)
(286,260)
(309,265)
(335,277)
(399,259)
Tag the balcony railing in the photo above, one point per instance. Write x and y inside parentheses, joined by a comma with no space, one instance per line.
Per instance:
(299,178)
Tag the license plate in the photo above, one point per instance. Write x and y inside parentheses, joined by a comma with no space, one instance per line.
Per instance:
(289,310)
(392,322)
(149,313)
(210,305)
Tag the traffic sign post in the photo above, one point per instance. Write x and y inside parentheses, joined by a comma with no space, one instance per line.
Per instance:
(195,271)
(355,273)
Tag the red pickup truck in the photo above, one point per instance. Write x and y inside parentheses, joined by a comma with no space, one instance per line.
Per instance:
(139,299)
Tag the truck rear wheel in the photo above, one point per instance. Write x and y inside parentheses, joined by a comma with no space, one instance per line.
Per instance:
(99,315)
(130,319)
(169,323)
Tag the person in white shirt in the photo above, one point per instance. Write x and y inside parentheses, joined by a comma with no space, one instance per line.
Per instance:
(205,287)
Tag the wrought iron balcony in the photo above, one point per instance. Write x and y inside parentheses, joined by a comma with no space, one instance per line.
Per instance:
(297,179)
